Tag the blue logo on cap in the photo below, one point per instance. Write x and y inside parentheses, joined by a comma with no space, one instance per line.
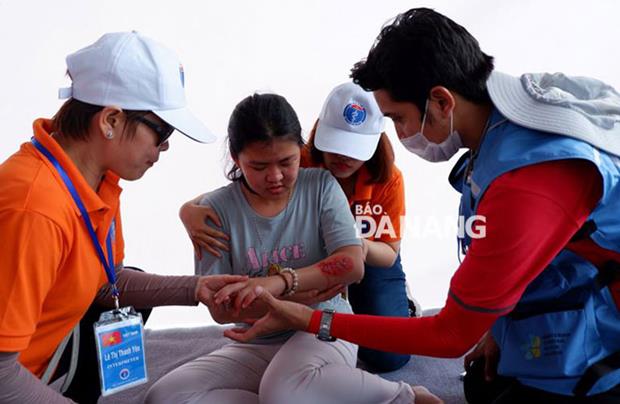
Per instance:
(354,114)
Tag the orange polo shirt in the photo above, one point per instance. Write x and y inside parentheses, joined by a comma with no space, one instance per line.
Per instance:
(379,209)
(49,268)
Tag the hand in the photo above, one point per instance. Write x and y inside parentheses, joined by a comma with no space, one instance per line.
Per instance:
(207,286)
(282,315)
(194,218)
(244,293)
(487,348)
(315,296)
(423,396)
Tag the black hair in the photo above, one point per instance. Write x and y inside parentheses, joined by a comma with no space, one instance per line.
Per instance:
(73,119)
(421,49)
(260,118)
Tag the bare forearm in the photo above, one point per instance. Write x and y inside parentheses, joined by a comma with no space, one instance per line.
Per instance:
(18,385)
(380,254)
(183,211)
(343,267)
(144,290)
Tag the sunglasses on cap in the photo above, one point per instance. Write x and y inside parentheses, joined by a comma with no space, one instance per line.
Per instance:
(163,131)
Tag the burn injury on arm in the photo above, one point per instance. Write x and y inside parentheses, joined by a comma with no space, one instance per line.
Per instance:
(337,266)
(343,267)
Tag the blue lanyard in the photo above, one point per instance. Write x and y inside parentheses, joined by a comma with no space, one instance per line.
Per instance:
(108,264)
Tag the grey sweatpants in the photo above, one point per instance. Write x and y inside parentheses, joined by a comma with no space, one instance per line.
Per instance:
(302,370)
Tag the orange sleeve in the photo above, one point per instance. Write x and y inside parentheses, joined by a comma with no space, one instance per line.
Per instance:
(391,198)
(31,247)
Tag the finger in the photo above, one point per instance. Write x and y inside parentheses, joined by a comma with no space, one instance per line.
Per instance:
(215,233)
(210,249)
(212,215)
(306,295)
(240,298)
(240,334)
(249,299)
(207,245)
(240,330)
(469,358)
(489,369)
(266,297)
(232,278)
(210,238)
(225,292)
(250,321)
(329,293)
(197,250)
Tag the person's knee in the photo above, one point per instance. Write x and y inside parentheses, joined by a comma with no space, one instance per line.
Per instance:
(381,362)
(166,390)
(277,387)
(157,393)
(271,391)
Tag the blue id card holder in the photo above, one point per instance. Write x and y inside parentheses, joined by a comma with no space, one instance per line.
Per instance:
(119,335)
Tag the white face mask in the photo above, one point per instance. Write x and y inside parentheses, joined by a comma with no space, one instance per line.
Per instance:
(430,151)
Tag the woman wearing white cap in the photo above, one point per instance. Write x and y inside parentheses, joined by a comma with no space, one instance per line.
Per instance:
(292,232)
(541,285)
(348,140)
(60,217)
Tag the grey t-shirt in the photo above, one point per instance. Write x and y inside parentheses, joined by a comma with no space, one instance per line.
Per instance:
(316,222)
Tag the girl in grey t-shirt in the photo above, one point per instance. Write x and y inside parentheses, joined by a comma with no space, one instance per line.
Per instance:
(291,232)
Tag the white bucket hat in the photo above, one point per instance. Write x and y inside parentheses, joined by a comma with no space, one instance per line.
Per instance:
(350,123)
(133,72)
(579,107)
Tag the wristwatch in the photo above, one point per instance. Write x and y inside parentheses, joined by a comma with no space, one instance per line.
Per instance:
(325,326)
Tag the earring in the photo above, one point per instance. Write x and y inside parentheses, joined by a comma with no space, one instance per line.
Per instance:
(109,135)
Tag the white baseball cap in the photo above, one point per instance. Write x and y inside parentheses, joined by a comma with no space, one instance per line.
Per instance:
(350,123)
(133,72)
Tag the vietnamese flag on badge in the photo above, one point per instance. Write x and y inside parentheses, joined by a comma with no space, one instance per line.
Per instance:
(111,338)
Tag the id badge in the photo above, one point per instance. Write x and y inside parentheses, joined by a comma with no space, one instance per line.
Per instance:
(119,336)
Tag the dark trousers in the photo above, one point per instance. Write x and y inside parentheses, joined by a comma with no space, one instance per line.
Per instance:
(507,390)
(382,292)
(85,387)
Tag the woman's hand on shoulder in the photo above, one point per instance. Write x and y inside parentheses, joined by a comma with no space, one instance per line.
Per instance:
(201,233)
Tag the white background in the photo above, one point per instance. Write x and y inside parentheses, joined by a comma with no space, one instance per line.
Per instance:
(300,50)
